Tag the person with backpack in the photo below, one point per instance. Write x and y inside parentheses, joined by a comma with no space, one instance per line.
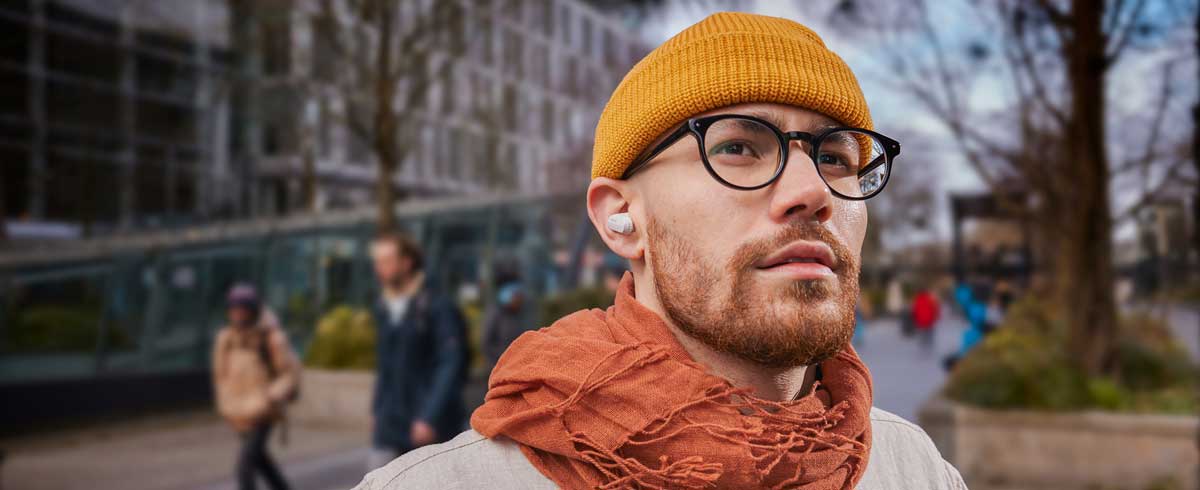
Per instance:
(255,375)
(421,347)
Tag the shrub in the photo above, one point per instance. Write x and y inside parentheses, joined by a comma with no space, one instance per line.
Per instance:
(1025,364)
(473,316)
(345,339)
(55,328)
(564,304)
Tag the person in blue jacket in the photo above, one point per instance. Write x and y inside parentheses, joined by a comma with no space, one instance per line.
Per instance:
(420,347)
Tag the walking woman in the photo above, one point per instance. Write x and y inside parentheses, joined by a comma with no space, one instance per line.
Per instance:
(255,374)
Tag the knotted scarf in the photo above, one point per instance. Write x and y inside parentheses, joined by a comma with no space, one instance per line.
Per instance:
(611,400)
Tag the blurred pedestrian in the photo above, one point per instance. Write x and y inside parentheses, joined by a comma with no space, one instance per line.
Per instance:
(421,350)
(862,311)
(894,298)
(506,318)
(255,375)
(962,296)
(926,310)
(977,327)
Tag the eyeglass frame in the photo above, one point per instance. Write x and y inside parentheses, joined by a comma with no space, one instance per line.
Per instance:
(698,127)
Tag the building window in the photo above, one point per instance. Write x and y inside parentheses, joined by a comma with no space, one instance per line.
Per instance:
(548,119)
(324,133)
(566,32)
(481,40)
(586,34)
(324,58)
(276,47)
(272,139)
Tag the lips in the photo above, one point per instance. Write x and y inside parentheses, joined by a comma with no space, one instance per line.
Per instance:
(802,252)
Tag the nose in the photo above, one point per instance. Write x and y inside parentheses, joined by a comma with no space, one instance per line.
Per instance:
(800,193)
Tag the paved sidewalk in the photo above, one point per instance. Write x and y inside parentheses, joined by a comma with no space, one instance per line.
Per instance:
(176,452)
(902,373)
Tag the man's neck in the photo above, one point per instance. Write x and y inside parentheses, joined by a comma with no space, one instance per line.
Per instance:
(406,287)
(777,384)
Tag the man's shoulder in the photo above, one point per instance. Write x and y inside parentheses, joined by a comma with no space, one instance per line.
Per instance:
(902,456)
(902,453)
(468,461)
(892,422)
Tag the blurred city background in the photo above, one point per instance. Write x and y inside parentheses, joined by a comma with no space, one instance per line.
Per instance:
(1031,275)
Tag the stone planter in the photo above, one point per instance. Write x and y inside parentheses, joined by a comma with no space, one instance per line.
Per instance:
(334,399)
(1068,451)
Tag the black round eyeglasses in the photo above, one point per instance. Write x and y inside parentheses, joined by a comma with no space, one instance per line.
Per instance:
(747,153)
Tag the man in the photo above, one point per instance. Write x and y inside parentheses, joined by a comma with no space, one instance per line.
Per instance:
(419,339)
(725,361)
(255,374)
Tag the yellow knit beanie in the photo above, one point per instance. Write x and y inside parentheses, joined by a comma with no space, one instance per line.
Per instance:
(728,58)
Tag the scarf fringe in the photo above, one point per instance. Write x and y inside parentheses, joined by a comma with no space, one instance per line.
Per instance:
(781,431)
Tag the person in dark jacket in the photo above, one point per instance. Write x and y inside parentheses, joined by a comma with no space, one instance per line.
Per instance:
(421,360)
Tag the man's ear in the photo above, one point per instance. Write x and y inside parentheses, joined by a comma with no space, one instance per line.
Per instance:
(606,197)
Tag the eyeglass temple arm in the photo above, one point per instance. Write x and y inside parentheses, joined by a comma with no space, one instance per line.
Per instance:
(666,143)
(890,151)
(879,160)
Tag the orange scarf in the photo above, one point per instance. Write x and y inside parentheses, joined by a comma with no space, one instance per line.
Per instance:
(611,400)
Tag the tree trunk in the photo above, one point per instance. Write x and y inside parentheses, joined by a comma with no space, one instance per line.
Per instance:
(385,196)
(1196,154)
(1084,270)
(385,123)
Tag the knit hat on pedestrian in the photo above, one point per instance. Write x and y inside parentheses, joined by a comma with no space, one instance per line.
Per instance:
(728,58)
(243,295)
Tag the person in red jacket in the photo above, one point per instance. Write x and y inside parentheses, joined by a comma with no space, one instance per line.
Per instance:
(925,313)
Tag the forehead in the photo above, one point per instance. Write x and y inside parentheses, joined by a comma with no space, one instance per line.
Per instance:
(383,248)
(783,116)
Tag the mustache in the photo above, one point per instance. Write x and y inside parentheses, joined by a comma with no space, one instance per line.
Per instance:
(747,255)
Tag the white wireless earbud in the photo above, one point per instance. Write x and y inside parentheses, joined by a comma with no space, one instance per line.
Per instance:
(621,223)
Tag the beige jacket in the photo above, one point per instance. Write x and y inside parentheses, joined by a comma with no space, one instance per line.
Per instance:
(902,458)
(246,393)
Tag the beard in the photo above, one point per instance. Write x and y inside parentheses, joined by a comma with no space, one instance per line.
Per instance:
(732,309)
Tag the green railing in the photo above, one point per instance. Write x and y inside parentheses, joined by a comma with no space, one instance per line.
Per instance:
(151,303)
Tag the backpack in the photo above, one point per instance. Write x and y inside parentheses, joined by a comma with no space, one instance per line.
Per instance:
(264,354)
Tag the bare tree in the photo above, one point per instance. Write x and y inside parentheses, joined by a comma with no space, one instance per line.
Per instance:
(393,52)
(1052,58)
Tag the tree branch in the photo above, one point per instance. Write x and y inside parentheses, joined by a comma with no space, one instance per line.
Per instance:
(1022,63)
(1122,34)
(1171,176)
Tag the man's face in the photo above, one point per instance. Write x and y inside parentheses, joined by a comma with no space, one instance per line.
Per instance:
(391,268)
(769,275)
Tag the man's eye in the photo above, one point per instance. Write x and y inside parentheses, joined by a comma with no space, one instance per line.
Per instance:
(831,159)
(734,148)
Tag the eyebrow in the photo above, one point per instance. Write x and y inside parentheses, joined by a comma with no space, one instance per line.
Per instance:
(843,137)
(747,124)
(773,118)
(768,116)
